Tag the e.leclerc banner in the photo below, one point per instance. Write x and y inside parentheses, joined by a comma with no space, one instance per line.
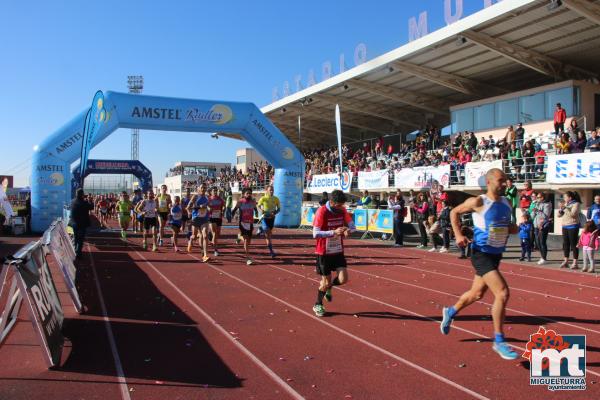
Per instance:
(574,168)
(373,180)
(422,177)
(330,182)
(95,118)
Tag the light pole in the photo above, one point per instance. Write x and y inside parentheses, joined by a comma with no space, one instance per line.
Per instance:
(135,84)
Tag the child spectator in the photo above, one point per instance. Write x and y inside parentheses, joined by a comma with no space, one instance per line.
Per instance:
(445,226)
(433,229)
(525,230)
(589,242)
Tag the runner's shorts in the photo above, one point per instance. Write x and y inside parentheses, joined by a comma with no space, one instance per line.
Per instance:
(164,215)
(268,223)
(175,224)
(199,222)
(217,221)
(150,222)
(326,264)
(485,262)
(246,229)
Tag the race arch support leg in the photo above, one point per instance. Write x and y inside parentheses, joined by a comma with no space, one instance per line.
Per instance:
(289,188)
(50,188)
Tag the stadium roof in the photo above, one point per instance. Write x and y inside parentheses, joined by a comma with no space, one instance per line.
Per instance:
(510,46)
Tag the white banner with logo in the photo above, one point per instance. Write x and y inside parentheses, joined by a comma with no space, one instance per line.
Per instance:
(373,179)
(574,168)
(422,177)
(329,182)
(475,172)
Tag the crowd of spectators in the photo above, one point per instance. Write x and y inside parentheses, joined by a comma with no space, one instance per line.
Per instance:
(259,175)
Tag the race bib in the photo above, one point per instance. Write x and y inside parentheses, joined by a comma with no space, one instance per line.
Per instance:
(247,226)
(497,236)
(176,216)
(162,203)
(202,212)
(333,245)
(216,213)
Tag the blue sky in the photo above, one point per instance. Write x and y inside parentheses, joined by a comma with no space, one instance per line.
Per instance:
(55,55)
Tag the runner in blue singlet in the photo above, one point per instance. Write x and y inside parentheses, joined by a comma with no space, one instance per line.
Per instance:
(492,226)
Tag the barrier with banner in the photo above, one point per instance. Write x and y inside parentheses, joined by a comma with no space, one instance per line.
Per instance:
(34,281)
(329,182)
(373,180)
(573,168)
(308,216)
(10,301)
(475,172)
(360,217)
(422,177)
(381,221)
(62,250)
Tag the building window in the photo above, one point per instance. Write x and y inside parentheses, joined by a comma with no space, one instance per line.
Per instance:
(241,159)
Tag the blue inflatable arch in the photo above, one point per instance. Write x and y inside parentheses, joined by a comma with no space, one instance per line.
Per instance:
(52,159)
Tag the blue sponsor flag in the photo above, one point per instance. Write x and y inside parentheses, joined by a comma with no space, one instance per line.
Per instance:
(94,119)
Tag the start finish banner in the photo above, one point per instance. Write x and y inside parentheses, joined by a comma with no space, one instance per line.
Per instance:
(573,168)
(422,177)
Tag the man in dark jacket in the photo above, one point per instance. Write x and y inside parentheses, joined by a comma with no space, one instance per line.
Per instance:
(324,199)
(80,219)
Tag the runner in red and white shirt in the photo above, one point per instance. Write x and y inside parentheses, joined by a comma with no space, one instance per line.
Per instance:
(247,207)
(331,224)
(216,205)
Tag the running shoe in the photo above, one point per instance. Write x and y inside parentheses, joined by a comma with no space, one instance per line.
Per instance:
(446,321)
(443,250)
(541,262)
(237,240)
(144,245)
(273,255)
(328,295)
(154,248)
(319,310)
(420,246)
(248,262)
(205,259)
(397,245)
(505,351)
(431,250)
(160,242)
(216,253)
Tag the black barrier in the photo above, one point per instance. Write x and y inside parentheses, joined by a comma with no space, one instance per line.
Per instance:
(34,281)
(56,242)
(10,301)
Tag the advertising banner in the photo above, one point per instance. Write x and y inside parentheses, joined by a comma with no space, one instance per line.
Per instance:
(10,301)
(45,310)
(422,177)
(360,219)
(96,116)
(573,168)
(59,250)
(308,215)
(475,172)
(373,179)
(330,182)
(381,221)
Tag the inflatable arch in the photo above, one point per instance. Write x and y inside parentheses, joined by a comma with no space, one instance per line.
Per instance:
(52,159)
(122,167)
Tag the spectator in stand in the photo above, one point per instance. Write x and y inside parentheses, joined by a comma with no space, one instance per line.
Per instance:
(528,154)
(80,219)
(594,141)
(421,208)
(560,116)
(520,134)
(366,201)
(472,142)
(540,160)
(564,145)
(542,222)
(593,212)
(511,196)
(573,130)
(569,212)
(324,199)
(491,143)
(515,158)
(580,143)
(510,136)
(396,203)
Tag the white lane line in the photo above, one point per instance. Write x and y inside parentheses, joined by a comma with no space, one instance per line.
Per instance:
(357,338)
(111,337)
(237,344)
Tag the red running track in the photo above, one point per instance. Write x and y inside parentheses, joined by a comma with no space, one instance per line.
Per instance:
(165,325)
